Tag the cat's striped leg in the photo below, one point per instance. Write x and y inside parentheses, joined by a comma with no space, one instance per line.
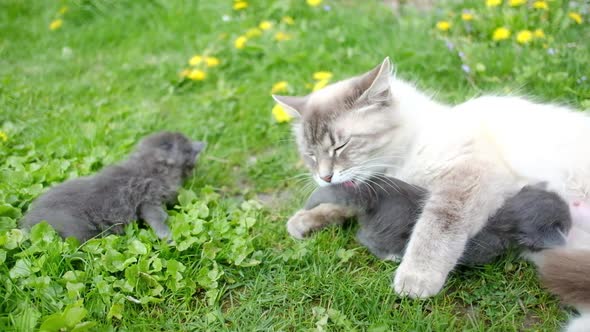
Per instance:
(460,203)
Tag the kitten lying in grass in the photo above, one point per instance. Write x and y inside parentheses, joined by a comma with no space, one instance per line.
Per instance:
(565,271)
(132,190)
(388,208)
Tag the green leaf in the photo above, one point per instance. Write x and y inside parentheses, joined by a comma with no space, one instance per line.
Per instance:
(210,250)
(25,317)
(12,239)
(42,232)
(54,323)
(345,255)
(74,288)
(7,210)
(84,326)
(74,315)
(137,248)
(116,311)
(186,197)
(22,268)
(93,246)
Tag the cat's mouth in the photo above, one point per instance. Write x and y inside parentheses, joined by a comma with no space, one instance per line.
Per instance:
(349,184)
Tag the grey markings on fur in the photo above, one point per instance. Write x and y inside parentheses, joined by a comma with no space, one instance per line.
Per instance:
(388,208)
(134,189)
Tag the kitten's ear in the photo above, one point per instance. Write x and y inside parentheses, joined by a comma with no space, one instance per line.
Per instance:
(198,146)
(375,84)
(294,105)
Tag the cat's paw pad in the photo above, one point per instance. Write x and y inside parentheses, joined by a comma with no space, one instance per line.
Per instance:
(298,225)
(417,284)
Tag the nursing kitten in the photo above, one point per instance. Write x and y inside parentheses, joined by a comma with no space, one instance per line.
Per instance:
(566,271)
(387,210)
(131,190)
(469,157)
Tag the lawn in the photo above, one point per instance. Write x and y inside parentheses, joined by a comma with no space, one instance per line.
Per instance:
(82,80)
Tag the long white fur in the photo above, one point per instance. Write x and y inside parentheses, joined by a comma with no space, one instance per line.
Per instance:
(506,141)
(470,157)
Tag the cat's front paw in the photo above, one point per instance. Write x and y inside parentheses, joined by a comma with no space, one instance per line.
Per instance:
(417,283)
(299,225)
(164,234)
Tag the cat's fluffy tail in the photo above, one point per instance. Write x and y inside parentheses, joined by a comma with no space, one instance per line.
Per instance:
(566,273)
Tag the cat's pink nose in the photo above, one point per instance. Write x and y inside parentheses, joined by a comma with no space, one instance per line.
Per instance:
(327,178)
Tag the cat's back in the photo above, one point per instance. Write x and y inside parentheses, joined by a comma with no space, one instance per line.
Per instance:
(538,140)
(105,196)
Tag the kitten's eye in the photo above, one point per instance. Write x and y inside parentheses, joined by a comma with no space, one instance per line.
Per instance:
(166,146)
(311,156)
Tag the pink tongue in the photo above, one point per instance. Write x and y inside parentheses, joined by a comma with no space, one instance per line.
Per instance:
(348,184)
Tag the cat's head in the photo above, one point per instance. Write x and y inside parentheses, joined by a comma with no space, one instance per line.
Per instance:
(170,149)
(544,218)
(344,130)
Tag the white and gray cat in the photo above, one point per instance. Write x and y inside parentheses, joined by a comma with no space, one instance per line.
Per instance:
(470,157)
(387,209)
(131,190)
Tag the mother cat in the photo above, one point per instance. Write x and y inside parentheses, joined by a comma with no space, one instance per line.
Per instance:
(470,157)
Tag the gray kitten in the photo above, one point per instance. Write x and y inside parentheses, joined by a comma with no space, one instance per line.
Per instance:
(388,208)
(131,190)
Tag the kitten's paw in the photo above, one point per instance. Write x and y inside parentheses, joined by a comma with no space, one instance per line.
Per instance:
(417,283)
(298,225)
(164,234)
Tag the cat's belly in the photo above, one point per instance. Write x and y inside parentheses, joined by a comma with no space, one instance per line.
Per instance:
(579,235)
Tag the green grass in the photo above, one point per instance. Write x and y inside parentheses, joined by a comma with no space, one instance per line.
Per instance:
(77,98)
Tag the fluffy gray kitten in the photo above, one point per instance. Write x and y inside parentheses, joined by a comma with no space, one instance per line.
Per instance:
(388,208)
(131,190)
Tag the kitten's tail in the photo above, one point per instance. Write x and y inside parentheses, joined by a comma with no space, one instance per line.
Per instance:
(566,273)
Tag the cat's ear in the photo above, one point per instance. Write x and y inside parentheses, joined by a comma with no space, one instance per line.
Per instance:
(375,84)
(198,146)
(294,105)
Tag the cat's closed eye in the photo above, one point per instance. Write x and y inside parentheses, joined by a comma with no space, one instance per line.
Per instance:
(311,156)
(341,146)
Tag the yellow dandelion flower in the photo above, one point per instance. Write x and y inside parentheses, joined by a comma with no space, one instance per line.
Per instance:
(265,25)
(443,25)
(56,24)
(493,3)
(212,61)
(540,5)
(197,75)
(279,87)
(280,114)
(3,136)
(524,36)
(516,3)
(254,32)
(314,3)
(239,5)
(240,42)
(184,73)
(322,75)
(576,17)
(288,20)
(538,33)
(195,60)
(466,16)
(63,10)
(320,84)
(501,34)
(281,36)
